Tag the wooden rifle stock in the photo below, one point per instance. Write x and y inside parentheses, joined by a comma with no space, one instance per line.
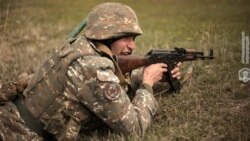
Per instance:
(129,63)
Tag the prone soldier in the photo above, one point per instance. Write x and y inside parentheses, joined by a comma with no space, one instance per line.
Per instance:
(81,85)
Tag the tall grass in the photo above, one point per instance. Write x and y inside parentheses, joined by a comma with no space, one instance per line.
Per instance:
(213,105)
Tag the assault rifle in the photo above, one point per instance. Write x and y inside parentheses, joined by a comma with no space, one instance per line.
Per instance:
(171,58)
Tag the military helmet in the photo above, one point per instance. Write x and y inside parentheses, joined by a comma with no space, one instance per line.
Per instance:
(111,21)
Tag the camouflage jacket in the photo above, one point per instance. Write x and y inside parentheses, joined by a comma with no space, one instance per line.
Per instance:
(71,92)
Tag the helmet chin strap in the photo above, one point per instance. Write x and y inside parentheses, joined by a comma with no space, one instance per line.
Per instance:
(107,52)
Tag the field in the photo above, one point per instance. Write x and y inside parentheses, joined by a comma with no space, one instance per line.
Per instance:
(213,105)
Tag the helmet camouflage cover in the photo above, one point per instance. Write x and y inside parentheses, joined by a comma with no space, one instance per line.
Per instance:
(111,20)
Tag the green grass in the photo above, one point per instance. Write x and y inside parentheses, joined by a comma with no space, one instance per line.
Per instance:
(213,105)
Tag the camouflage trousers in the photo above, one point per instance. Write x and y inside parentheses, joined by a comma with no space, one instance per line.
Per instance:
(12,127)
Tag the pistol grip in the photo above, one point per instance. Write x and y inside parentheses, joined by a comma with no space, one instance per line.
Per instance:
(174,83)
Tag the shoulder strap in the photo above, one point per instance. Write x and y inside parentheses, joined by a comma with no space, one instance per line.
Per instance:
(107,52)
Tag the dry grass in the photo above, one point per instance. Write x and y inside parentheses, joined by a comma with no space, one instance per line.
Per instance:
(213,105)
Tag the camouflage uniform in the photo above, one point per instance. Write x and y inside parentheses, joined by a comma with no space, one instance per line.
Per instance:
(12,126)
(77,88)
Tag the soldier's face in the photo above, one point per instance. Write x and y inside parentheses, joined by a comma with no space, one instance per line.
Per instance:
(123,46)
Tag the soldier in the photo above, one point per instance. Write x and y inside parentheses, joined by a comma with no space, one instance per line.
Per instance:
(81,88)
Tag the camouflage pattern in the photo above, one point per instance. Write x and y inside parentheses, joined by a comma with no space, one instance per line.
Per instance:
(92,94)
(111,20)
(10,90)
(98,89)
(77,90)
(12,126)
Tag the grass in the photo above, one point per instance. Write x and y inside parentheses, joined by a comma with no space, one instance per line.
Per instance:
(213,105)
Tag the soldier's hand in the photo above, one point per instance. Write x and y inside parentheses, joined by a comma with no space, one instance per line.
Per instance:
(153,73)
(176,71)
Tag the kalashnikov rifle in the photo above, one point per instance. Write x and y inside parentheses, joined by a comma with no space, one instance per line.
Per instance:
(171,58)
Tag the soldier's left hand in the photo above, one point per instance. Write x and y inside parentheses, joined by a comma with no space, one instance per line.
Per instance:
(176,71)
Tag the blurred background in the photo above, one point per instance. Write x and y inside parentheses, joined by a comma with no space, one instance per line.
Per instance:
(213,104)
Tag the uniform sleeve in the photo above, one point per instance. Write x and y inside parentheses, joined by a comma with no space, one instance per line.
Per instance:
(102,94)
